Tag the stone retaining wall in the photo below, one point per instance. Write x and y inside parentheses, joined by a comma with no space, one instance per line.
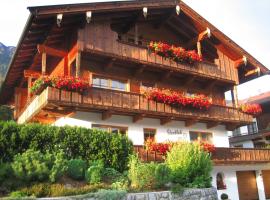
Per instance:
(188,194)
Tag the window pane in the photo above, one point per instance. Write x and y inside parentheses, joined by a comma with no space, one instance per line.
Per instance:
(104,83)
(96,81)
(193,136)
(119,85)
(149,133)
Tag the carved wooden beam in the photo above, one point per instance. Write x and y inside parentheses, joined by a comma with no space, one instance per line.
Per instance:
(51,51)
(189,81)
(138,117)
(43,63)
(106,115)
(109,64)
(210,125)
(164,121)
(31,73)
(199,38)
(165,76)
(254,71)
(240,61)
(190,122)
(139,71)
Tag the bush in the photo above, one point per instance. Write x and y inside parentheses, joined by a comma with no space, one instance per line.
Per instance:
(110,194)
(5,171)
(162,175)
(35,166)
(76,142)
(190,165)
(224,196)
(110,175)
(17,195)
(76,169)
(93,174)
(56,190)
(32,166)
(141,175)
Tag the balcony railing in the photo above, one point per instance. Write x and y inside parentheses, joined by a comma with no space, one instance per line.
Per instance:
(140,55)
(220,156)
(120,102)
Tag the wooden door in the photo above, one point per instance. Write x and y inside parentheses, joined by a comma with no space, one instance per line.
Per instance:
(266,183)
(247,186)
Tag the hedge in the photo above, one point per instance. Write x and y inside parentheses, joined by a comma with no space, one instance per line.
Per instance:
(76,142)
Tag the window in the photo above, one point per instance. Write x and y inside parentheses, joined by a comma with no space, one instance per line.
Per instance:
(220,181)
(252,128)
(111,129)
(108,83)
(200,136)
(149,133)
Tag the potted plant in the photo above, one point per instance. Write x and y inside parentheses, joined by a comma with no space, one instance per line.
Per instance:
(224,196)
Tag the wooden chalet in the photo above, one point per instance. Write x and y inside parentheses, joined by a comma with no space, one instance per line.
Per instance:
(110,40)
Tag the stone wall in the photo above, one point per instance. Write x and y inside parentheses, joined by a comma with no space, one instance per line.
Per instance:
(188,194)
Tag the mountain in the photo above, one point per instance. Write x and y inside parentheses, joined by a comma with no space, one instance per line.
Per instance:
(6,53)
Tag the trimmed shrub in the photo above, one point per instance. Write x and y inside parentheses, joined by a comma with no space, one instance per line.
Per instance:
(5,171)
(190,165)
(36,166)
(76,142)
(93,174)
(162,175)
(32,166)
(110,194)
(110,174)
(141,175)
(76,169)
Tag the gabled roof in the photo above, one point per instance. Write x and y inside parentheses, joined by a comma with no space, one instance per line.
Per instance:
(41,27)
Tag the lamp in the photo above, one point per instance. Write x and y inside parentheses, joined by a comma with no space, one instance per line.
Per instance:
(245,60)
(177,9)
(208,32)
(145,12)
(88,16)
(59,19)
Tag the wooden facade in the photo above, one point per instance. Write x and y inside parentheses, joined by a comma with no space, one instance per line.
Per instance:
(113,44)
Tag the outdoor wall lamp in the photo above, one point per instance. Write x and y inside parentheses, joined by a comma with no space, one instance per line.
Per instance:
(145,10)
(59,18)
(208,32)
(177,9)
(88,16)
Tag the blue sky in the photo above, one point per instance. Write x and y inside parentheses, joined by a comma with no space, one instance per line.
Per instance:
(247,22)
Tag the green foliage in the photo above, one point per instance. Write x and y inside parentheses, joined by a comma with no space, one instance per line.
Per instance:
(76,169)
(5,171)
(17,194)
(76,142)
(93,174)
(190,165)
(121,183)
(56,190)
(110,174)
(32,166)
(6,113)
(110,194)
(177,188)
(224,196)
(162,175)
(36,166)
(141,175)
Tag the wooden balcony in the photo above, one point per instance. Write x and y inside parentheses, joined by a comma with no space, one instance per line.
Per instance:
(53,100)
(221,156)
(110,47)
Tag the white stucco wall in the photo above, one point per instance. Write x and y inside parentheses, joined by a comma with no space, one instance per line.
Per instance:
(135,130)
(231,179)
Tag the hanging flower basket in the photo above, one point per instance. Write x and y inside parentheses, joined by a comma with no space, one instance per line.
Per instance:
(177,54)
(252,109)
(177,99)
(67,83)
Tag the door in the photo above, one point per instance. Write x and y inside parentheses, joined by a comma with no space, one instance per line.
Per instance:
(266,183)
(247,185)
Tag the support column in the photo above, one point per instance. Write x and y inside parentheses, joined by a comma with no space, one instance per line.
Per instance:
(234,96)
(43,63)
(78,64)
(260,185)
